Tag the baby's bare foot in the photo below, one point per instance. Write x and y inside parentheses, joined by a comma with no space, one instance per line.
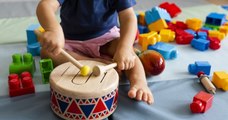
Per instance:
(141,92)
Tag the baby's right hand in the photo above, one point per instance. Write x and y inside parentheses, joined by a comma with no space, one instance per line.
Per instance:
(51,40)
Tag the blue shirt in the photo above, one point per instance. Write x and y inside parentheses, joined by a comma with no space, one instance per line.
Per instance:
(86,19)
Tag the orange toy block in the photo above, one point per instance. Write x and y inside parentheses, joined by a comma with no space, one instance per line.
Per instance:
(141,18)
(225,24)
(220,80)
(194,23)
(150,38)
(224,29)
(167,35)
(216,34)
(158,25)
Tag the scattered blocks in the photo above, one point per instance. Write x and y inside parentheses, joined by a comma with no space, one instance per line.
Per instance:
(21,64)
(216,19)
(202,102)
(20,86)
(220,80)
(46,66)
(216,34)
(198,66)
(200,44)
(183,37)
(167,35)
(150,38)
(194,23)
(166,50)
(171,8)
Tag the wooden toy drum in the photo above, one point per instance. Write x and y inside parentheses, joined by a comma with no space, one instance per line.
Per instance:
(76,97)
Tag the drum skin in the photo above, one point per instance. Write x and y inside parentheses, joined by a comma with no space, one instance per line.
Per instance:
(76,97)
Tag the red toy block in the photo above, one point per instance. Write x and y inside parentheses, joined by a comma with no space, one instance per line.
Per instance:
(171,8)
(20,86)
(181,25)
(202,101)
(183,37)
(214,43)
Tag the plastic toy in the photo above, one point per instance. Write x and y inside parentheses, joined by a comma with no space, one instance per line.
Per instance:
(220,80)
(141,19)
(147,39)
(198,66)
(214,43)
(224,29)
(20,86)
(157,25)
(202,102)
(183,37)
(200,44)
(217,34)
(216,19)
(190,31)
(46,66)
(83,98)
(168,51)
(167,35)
(171,8)
(204,79)
(21,64)
(194,23)
(202,35)
(143,29)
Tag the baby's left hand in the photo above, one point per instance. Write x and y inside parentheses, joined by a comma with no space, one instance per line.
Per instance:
(125,58)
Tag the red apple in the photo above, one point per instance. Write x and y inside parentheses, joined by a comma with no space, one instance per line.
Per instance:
(152,61)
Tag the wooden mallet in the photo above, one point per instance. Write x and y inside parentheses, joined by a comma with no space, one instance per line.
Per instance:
(99,69)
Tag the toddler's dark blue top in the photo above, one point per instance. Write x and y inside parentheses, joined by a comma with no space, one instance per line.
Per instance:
(86,19)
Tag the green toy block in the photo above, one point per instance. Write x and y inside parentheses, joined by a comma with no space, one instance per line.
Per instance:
(46,66)
(214,27)
(21,64)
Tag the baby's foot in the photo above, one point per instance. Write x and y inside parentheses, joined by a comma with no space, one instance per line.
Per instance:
(140,92)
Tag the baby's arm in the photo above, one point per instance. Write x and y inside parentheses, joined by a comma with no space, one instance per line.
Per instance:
(52,39)
(124,55)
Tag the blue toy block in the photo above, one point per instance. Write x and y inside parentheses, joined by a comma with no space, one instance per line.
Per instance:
(202,35)
(216,19)
(206,28)
(203,66)
(190,31)
(155,14)
(200,44)
(168,51)
(31,36)
(34,49)
(143,29)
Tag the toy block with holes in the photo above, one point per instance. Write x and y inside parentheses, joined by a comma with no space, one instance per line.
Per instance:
(216,34)
(147,39)
(157,25)
(155,14)
(214,43)
(171,8)
(20,85)
(183,37)
(22,63)
(201,102)
(200,44)
(216,19)
(167,35)
(168,51)
(199,66)
(220,80)
(46,66)
(194,23)
(224,29)
(33,46)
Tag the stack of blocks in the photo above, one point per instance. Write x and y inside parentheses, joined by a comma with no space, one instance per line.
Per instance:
(46,66)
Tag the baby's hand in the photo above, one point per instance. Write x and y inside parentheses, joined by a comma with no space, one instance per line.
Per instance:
(51,40)
(125,58)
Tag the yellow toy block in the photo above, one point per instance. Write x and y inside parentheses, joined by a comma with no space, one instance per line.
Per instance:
(225,24)
(216,34)
(158,25)
(150,38)
(167,35)
(220,80)
(141,18)
(224,29)
(41,29)
(194,23)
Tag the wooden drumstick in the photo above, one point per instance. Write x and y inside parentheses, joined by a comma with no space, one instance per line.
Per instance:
(84,69)
(206,82)
(98,69)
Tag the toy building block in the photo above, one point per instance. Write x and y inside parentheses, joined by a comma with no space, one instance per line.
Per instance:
(202,35)
(216,19)
(214,43)
(167,35)
(143,29)
(181,25)
(20,86)
(224,29)
(46,66)
(183,37)
(194,23)
(220,80)
(147,39)
(217,34)
(155,14)
(141,18)
(199,66)
(201,102)
(212,27)
(200,44)
(190,31)
(33,46)
(157,25)
(166,50)
(225,24)
(171,8)
(21,64)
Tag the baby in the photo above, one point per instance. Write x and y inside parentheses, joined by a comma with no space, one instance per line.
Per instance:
(88,30)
